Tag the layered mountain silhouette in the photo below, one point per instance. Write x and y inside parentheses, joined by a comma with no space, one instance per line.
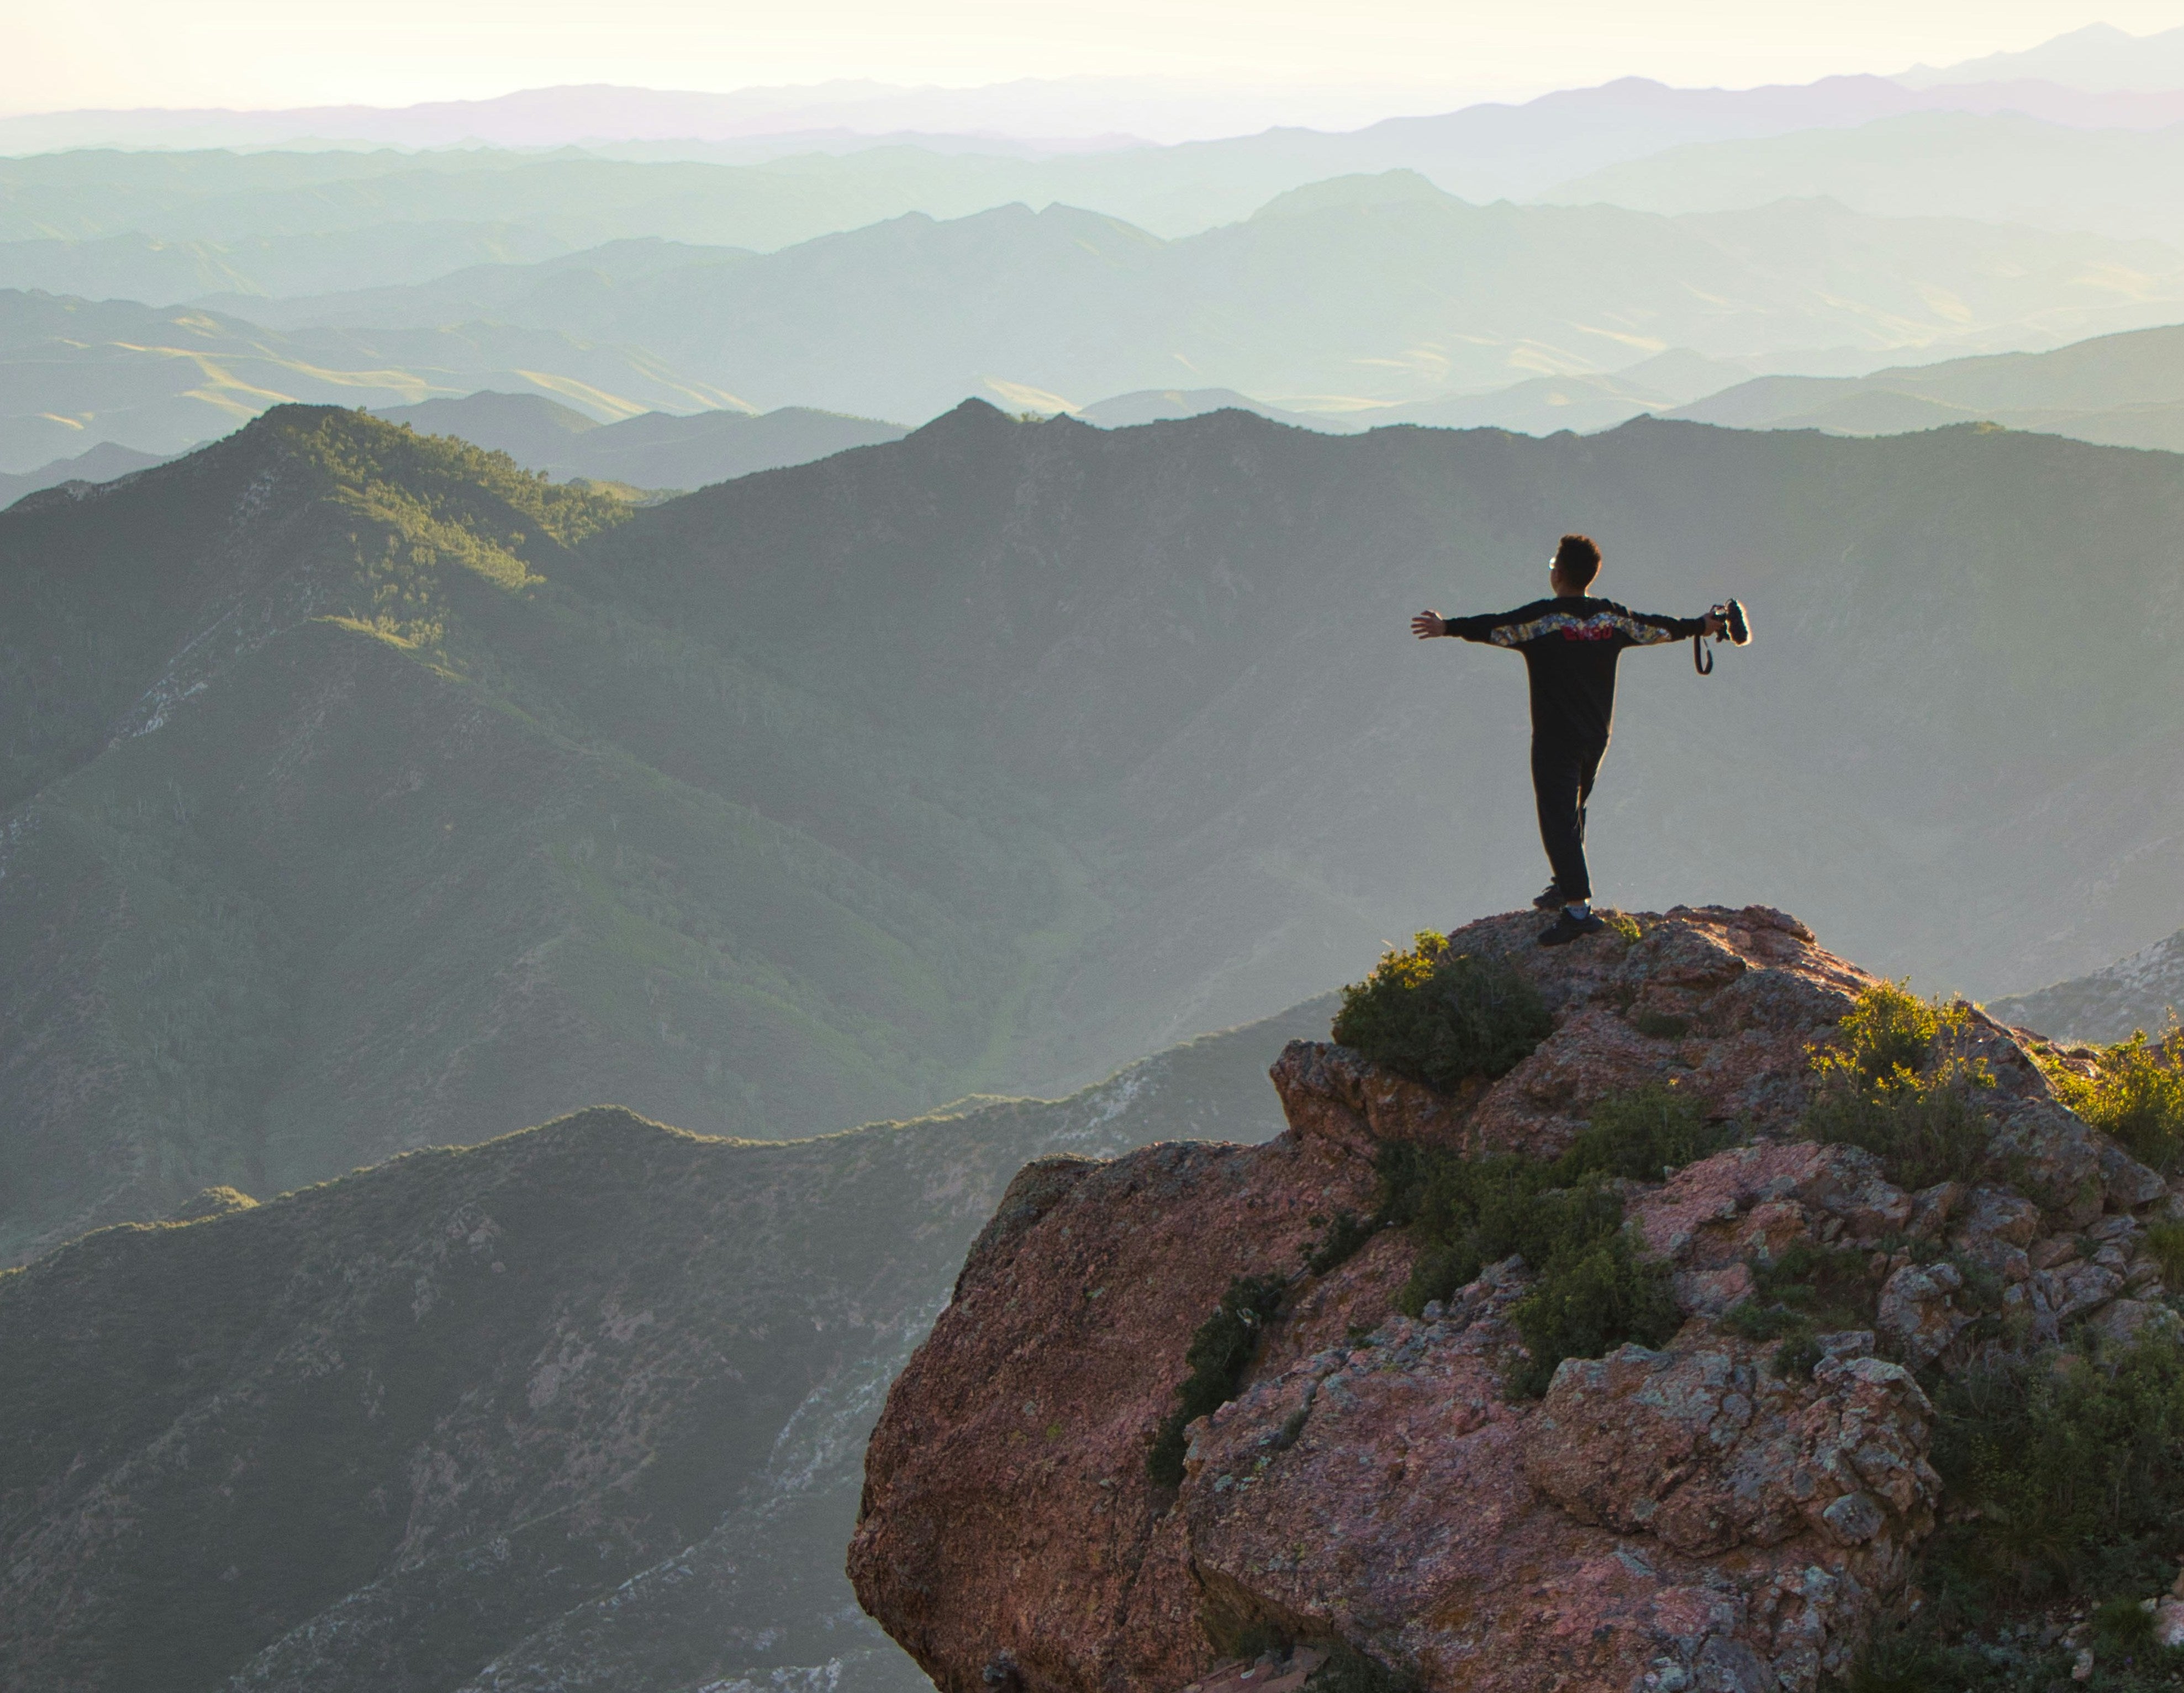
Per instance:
(655,449)
(365,792)
(2122,390)
(1379,287)
(1364,291)
(103,463)
(2003,165)
(779,165)
(75,373)
(584,1406)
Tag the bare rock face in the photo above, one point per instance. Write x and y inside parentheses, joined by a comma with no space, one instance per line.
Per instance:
(1689,1517)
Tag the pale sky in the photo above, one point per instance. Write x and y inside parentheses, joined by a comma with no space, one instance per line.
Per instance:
(61,54)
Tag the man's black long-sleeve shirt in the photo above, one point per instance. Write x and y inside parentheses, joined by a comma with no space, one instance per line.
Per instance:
(1570,644)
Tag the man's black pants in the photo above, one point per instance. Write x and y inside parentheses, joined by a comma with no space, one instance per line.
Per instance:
(1562,783)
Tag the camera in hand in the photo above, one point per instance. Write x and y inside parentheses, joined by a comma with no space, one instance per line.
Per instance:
(1736,630)
(1731,612)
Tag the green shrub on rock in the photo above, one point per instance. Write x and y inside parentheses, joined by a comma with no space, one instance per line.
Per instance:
(2075,1465)
(2136,1095)
(1218,1355)
(1807,1291)
(1586,1304)
(1890,1083)
(2064,1477)
(1438,1016)
(1347,1670)
(1642,1133)
(1592,1289)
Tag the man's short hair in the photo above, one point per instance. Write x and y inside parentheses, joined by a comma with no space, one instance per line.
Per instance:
(1578,560)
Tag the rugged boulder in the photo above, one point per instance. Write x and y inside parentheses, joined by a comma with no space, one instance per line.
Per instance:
(1695,1516)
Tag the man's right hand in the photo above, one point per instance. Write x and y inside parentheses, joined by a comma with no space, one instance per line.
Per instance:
(1429,624)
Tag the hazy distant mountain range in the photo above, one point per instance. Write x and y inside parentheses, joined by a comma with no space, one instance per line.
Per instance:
(73,372)
(1067,111)
(655,450)
(2005,168)
(274,219)
(101,464)
(2122,390)
(704,251)
(2099,58)
(1362,292)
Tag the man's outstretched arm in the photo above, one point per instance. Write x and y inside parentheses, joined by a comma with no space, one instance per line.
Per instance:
(1644,629)
(1429,625)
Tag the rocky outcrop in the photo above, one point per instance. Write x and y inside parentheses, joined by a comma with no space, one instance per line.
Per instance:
(1693,1517)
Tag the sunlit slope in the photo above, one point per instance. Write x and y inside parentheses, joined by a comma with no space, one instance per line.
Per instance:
(343,818)
(73,372)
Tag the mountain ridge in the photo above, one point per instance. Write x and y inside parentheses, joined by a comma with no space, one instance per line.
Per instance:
(976,761)
(1438,297)
(506,1415)
(2121,390)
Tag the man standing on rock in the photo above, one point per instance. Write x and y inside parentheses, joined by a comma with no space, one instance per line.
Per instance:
(1570,644)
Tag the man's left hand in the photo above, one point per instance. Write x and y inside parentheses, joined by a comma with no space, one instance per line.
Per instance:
(1427,625)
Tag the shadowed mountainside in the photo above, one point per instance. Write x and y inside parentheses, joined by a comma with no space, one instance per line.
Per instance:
(321,841)
(581,1408)
(363,793)
(1189,637)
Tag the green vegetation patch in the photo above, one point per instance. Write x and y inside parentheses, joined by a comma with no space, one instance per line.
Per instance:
(2065,1473)
(1643,1132)
(1626,927)
(2136,1094)
(1809,1291)
(1562,1216)
(1346,1235)
(2075,1466)
(1438,1016)
(1219,1353)
(1890,1083)
(2165,1241)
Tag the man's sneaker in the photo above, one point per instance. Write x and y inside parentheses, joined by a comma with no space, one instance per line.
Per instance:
(1551,899)
(1567,928)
